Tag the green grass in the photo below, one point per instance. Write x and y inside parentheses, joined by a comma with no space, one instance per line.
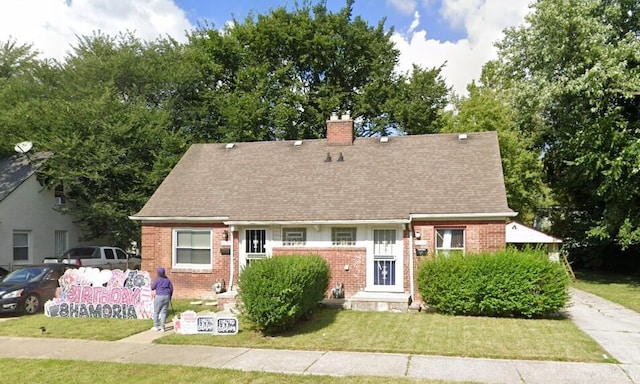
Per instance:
(90,329)
(420,333)
(61,372)
(621,289)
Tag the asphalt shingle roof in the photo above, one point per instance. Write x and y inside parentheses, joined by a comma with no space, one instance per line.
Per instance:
(277,181)
(14,170)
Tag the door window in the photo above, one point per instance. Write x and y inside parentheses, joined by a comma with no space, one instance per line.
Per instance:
(255,246)
(384,259)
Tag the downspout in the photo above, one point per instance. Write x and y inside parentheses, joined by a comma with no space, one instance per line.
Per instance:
(232,265)
(411,252)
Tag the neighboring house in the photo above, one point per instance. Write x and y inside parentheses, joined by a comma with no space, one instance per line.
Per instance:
(373,207)
(30,227)
(521,236)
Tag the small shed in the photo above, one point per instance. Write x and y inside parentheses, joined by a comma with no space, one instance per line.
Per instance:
(520,236)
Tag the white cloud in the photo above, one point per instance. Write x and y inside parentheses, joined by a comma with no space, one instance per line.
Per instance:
(405,6)
(415,23)
(52,25)
(483,21)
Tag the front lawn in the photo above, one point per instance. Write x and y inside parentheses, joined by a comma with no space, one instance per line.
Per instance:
(621,289)
(90,329)
(60,371)
(420,333)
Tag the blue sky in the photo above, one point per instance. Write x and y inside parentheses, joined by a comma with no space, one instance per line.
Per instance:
(373,11)
(428,33)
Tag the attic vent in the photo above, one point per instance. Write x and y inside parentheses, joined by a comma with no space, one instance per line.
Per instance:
(340,158)
(462,136)
(230,145)
(328,158)
(297,143)
(384,139)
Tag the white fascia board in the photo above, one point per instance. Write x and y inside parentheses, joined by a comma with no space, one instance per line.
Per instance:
(461,216)
(179,219)
(316,222)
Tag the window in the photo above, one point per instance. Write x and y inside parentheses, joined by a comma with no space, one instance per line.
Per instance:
(343,236)
(448,240)
(60,197)
(192,248)
(21,246)
(60,242)
(294,236)
(108,254)
(121,255)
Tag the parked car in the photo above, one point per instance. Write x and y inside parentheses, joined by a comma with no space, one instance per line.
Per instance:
(28,288)
(3,272)
(97,257)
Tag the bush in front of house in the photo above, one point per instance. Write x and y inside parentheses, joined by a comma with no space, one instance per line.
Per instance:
(508,283)
(278,292)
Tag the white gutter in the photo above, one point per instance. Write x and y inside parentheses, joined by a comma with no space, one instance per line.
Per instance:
(232,267)
(317,222)
(180,219)
(461,216)
(411,252)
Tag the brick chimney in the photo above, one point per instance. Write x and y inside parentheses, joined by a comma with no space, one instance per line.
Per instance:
(340,130)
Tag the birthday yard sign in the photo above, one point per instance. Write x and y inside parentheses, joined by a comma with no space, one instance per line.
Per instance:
(107,294)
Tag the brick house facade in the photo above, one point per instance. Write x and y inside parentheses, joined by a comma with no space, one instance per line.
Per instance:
(373,208)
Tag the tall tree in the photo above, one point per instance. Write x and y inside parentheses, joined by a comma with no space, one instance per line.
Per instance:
(279,75)
(486,109)
(574,69)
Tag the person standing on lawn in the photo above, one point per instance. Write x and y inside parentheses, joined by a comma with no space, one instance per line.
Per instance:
(164,290)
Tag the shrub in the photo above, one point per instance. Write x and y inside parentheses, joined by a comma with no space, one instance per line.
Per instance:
(509,283)
(277,292)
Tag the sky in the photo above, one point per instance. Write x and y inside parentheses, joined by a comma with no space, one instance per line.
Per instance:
(429,33)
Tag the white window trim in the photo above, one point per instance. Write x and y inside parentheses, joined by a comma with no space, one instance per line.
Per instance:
(29,246)
(306,238)
(174,244)
(454,249)
(355,238)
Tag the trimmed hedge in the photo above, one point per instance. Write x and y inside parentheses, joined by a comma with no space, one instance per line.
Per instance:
(509,283)
(278,292)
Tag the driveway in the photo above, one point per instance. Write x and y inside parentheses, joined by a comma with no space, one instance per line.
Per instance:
(614,327)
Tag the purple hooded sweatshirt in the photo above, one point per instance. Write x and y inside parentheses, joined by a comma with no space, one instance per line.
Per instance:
(162,285)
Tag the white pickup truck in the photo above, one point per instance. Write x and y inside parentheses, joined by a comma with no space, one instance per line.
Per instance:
(97,257)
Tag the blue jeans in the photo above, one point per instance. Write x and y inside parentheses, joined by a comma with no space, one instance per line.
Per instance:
(160,309)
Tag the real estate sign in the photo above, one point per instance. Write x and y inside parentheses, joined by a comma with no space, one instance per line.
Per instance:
(107,294)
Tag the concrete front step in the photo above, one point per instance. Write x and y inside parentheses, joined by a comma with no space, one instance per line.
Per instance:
(372,301)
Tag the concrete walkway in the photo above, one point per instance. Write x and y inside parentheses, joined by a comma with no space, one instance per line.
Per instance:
(614,327)
(323,363)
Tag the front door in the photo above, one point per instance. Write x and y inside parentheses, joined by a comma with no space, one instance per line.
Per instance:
(385,265)
(255,245)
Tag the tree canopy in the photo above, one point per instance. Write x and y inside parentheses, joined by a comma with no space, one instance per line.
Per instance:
(573,70)
(119,112)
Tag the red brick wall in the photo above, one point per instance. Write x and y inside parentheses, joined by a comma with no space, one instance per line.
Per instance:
(354,279)
(340,132)
(157,252)
(480,236)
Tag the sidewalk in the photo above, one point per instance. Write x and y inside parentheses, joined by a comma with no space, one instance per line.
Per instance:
(323,363)
(614,327)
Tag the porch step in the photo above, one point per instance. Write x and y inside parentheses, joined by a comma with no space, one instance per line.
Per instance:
(372,301)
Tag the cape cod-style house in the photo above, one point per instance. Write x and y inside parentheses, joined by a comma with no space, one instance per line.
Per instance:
(373,207)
